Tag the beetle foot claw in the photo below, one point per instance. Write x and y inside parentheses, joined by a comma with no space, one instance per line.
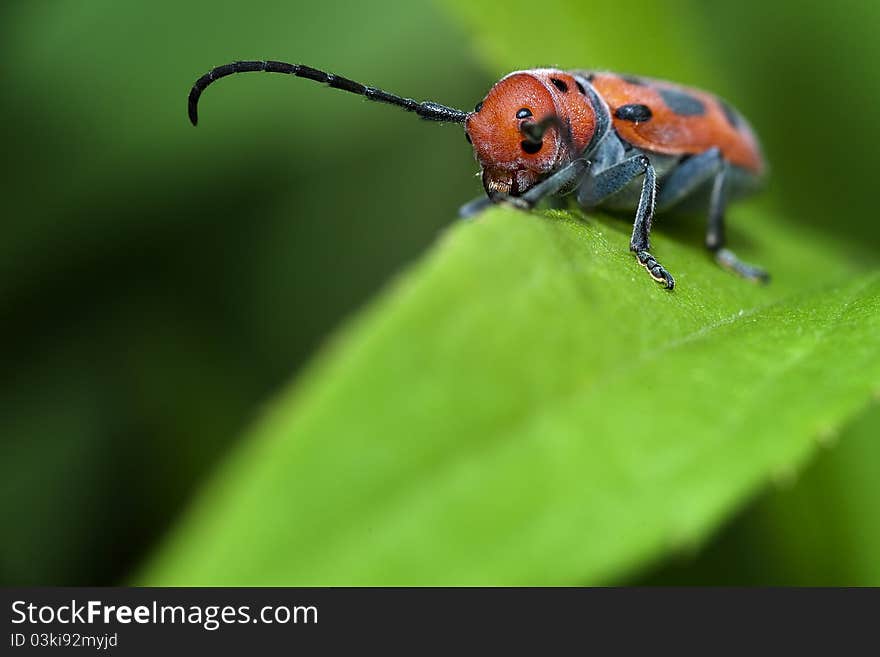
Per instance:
(655,269)
(727,259)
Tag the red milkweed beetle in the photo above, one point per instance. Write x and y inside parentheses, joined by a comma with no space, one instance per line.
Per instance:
(616,141)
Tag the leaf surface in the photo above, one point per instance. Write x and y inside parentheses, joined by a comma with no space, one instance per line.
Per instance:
(525,406)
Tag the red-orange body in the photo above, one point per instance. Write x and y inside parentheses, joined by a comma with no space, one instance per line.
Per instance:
(618,142)
(672,133)
(588,102)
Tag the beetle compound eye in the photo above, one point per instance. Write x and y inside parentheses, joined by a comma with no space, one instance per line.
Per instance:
(531,147)
(559,84)
(524,113)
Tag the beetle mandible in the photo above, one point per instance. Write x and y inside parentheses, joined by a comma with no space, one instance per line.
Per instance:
(618,142)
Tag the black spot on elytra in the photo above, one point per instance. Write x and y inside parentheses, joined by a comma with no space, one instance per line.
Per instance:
(580,87)
(559,84)
(632,79)
(524,113)
(635,113)
(731,114)
(681,102)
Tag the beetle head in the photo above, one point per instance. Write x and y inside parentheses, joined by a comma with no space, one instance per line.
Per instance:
(511,161)
(530,124)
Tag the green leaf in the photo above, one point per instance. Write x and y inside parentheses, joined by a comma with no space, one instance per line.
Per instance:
(527,407)
(801,528)
(832,511)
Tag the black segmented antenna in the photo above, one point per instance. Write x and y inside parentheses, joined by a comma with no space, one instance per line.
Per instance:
(427,110)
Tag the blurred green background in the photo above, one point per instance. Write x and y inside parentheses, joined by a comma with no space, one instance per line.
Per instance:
(158,283)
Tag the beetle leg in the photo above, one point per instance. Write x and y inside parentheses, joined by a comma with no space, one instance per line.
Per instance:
(612,180)
(563,181)
(715,233)
(471,208)
(686,179)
